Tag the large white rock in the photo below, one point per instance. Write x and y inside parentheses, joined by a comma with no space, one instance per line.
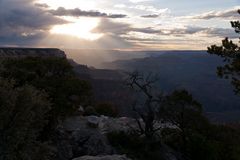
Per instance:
(108,157)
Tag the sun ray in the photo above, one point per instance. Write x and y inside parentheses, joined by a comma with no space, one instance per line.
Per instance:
(80,28)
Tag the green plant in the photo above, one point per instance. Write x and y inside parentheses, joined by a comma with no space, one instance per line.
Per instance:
(24,112)
(230,52)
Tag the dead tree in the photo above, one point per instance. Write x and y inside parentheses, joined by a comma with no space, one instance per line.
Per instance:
(147,111)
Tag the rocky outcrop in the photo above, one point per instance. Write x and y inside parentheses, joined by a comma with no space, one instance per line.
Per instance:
(105,124)
(101,124)
(79,136)
(109,157)
(90,142)
(80,143)
(31,52)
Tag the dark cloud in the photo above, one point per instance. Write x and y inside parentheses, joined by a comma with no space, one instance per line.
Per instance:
(221,32)
(185,31)
(147,30)
(110,27)
(61,11)
(232,13)
(150,16)
(204,31)
(122,30)
(119,28)
(24,22)
(42,5)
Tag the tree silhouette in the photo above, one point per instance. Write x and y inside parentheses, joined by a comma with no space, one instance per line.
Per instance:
(146,111)
(23,114)
(183,111)
(230,51)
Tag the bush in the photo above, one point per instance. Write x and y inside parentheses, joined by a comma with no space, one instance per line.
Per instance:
(214,142)
(135,146)
(55,76)
(89,111)
(23,114)
(106,109)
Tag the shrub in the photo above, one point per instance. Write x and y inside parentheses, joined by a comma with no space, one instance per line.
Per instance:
(23,114)
(55,76)
(106,109)
(135,146)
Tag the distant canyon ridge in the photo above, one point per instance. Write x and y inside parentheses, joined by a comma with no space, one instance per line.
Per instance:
(191,70)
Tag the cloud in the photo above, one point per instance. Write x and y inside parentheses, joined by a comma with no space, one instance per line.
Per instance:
(42,5)
(186,30)
(107,26)
(147,30)
(202,32)
(150,16)
(151,9)
(138,1)
(24,23)
(231,13)
(123,29)
(220,32)
(119,28)
(119,31)
(61,11)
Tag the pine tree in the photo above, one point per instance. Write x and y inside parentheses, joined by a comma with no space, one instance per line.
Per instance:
(230,51)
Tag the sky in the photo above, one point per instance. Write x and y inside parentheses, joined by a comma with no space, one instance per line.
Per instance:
(117,24)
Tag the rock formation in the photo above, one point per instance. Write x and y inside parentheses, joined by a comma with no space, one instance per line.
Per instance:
(31,52)
(109,157)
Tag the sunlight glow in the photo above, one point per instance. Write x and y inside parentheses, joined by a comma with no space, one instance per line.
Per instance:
(81,28)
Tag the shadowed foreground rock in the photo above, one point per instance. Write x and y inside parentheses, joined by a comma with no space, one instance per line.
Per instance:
(109,157)
(80,136)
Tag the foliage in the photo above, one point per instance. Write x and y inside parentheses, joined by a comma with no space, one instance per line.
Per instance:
(230,51)
(182,110)
(135,147)
(107,109)
(212,142)
(89,111)
(23,114)
(31,121)
(55,76)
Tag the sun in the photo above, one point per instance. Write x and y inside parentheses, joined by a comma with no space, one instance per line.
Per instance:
(80,28)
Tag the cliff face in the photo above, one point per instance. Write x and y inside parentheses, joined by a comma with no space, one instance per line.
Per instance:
(31,52)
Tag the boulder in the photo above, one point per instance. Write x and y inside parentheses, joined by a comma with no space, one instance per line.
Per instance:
(81,136)
(78,139)
(106,124)
(75,123)
(63,144)
(108,157)
(89,142)
(93,121)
